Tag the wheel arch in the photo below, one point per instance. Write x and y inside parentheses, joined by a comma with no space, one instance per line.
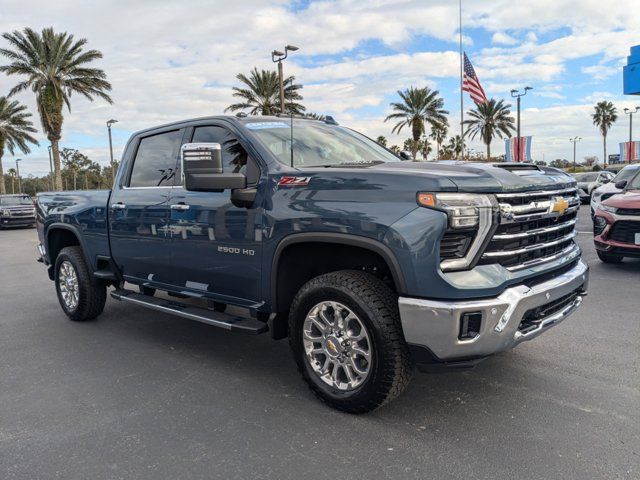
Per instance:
(61,235)
(332,252)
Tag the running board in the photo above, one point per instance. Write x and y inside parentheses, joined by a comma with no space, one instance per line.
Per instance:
(217,319)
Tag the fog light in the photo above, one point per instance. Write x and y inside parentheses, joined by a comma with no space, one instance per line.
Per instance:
(470,325)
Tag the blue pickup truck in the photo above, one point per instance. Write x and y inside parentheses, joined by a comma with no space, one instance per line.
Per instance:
(310,231)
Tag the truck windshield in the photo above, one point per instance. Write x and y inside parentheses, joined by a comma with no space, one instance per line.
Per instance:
(634,184)
(15,201)
(319,145)
(626,173)
(586,177)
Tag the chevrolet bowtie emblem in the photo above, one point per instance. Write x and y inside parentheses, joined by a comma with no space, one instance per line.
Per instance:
(558,205)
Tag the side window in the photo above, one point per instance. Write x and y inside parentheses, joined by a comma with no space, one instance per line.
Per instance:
(235,158)
(155,161)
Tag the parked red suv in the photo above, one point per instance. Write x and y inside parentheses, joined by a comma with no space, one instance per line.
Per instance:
(616,224)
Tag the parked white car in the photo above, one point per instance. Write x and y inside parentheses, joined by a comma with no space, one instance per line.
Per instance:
(589,181)
(607,190)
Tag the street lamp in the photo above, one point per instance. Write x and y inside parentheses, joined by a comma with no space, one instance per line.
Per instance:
(515,93)
(574,140)
(109,123)
(51,169)
(18,174)
(630,113)
(277,57)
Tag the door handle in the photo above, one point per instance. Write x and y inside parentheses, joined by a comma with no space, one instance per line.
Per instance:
(180,207)
(118,206)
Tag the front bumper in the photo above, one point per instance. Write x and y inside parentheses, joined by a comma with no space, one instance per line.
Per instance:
(435,326)
(17,221)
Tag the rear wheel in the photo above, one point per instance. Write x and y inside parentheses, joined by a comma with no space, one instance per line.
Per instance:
(81,296)
(346,337)
(609,257)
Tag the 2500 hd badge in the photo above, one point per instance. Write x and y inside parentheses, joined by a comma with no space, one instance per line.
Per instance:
(236,250)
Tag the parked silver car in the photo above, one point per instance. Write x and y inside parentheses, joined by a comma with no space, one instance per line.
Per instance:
(601,193)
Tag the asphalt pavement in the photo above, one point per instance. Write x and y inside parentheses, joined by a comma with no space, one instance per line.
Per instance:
(140,394)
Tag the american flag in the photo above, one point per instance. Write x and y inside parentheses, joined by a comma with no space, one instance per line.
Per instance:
(471,83)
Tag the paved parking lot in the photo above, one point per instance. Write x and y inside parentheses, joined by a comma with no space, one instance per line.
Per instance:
(139,394)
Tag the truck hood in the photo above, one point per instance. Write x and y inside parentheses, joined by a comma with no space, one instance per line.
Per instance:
(630,199)
(485,177)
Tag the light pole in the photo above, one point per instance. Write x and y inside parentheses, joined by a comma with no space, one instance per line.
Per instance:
(517,95)
(630,113)
(109,123)
(51,169)
(277,57)
(18,175)
(574,140)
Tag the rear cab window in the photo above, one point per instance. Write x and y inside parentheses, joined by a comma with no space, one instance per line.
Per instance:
(155,161)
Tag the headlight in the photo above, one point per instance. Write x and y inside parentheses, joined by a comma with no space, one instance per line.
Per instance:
(597,195)
(463,209)
(468,214)
(6,213)
(607,208)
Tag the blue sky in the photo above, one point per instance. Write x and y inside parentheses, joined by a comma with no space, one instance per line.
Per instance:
(174,60)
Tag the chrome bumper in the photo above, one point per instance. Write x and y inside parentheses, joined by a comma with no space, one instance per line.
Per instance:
(436,325)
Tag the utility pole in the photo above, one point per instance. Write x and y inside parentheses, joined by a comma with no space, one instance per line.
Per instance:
(277,57)
(630,113)
(18,174)
(517,95)
(113,173)
(574,140)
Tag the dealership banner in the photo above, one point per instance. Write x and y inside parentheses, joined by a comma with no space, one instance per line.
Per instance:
(518,151)
(629,151)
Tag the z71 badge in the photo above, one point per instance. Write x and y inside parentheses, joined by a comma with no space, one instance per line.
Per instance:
(294,181)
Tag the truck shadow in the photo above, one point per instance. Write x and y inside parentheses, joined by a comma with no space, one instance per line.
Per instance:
(257,363)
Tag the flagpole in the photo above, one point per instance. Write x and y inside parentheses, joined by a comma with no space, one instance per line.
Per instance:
(461,92)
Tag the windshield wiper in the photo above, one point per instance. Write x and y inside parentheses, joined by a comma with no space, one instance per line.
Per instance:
(353,164)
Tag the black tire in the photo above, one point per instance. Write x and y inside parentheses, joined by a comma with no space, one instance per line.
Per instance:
(609,257)
(92,293)
(376,305)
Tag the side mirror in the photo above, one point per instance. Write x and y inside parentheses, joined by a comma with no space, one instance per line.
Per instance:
(621,184)
(202,169)
(405,156)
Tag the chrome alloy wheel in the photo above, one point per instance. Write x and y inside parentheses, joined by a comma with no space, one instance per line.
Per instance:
(337,345)
(68,285)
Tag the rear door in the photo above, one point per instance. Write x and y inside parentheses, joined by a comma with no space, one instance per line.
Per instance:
(217,246)
(139,209)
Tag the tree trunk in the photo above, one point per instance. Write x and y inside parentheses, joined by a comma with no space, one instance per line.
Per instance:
(57,172)
(3,189)
(604,144)
(488,150)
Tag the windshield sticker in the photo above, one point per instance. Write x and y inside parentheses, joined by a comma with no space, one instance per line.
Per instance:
(293,181)
(263,125)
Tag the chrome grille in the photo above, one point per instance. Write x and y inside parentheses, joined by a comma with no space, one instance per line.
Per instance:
(530,231)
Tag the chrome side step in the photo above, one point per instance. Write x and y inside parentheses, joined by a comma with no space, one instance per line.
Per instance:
(217,319)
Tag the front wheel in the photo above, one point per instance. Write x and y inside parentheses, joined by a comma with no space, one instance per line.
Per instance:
(609,257)
(81,296)
(346,337)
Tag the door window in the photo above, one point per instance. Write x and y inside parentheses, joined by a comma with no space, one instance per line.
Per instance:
(235,158)
(155,162)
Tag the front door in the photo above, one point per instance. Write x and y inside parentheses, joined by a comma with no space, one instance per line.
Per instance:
(139,215)
(217,247)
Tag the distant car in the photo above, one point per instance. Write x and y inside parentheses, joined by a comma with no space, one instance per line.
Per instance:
(608,190)
(17,211)
(616,225)
(589,181)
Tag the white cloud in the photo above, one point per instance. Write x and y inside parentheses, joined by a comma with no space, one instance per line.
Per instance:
(503,38)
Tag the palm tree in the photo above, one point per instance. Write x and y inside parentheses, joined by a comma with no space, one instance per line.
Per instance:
(381,140)
(439,135)
(12,172)
(604,116)
(489,120)
(55,66)
(15,131)
(261,94)
(418,106)
(454,147)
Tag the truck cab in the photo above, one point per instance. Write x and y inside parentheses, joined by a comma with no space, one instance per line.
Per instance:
(368,264)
